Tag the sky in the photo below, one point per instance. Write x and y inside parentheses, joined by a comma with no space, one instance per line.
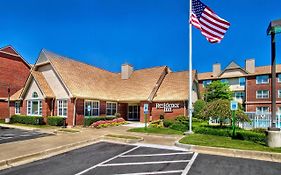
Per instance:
(144,33)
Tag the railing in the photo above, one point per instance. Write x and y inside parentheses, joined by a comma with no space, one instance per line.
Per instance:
(257,120)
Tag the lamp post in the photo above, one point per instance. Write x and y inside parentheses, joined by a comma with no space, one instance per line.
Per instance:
(273,28)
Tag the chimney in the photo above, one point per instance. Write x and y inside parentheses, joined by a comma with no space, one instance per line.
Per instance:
(250,65)
(126,71)
(216,69)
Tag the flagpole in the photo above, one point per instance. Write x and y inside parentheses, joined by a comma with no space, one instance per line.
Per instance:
(190,70)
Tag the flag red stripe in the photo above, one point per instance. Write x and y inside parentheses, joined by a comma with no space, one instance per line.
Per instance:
(211,28)
(215,24)
(217,18)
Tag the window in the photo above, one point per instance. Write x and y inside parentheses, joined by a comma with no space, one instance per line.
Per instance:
(224,80)
(62,108)
(111,108)
(279,109)
(239,95)
(91,108)
(34,95)
(242,81)
(279,93)
(279,78)
(262,94)
(262,79)
(262,109)
(34,107)
(17,107)
(206,82)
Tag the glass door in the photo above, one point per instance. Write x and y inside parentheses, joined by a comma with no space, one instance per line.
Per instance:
(133,112)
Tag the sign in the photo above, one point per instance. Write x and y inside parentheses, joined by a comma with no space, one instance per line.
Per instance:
(168,107)
(234,105)
(145,108)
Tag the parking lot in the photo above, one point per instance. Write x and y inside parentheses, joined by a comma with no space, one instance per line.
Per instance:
(106,158)
(12,134)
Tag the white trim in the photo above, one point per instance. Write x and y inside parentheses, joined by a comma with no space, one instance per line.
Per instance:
(278,80)
(111,108)
(63,99)
(262,94)
(108,160)
(262,110)
(92,107)
(262,82)
(31,100)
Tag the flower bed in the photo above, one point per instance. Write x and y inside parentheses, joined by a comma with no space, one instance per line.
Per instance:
(106,123)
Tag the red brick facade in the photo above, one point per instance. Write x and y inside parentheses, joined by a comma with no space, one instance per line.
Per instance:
(13,72)
(252,87)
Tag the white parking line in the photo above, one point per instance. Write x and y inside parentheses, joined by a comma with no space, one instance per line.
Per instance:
(86,170)
(187,168)
(151,155)
(153,172)
(144,163)
(174,148)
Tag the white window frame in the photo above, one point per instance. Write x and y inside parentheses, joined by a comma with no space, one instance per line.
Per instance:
(62,104)
(262,82)
(279,78)
(17,107)
(262,109)
(240,92)
(241,81)
(262,95)
(279,93)
(30,106)
(207,82)
(111,109)
(92,108)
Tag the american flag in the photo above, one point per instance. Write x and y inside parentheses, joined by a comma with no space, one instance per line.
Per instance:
(211,25)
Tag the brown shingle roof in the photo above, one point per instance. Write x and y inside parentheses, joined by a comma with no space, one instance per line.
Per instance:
(42,83)
(174,87)
(86,81)
(16,96)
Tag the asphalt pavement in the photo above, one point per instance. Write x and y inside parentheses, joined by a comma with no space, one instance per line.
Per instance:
(106,158)
(12,134)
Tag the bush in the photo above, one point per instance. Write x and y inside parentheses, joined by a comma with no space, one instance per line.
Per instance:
(162,117)
(89,120)
(179,126)
(167,123)
(198,106)
(106,123)
(55,121)
(213,131)
(251,136)
(156,124)
(32,120)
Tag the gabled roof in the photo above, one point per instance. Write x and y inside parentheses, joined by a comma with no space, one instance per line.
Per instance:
(175,86)
(11,51)
(233,65)
(43,85)
(16,96)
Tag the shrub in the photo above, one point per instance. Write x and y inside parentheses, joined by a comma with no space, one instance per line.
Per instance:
(182,119)
(167,123)
(117,115)
(106,123)
(198,106)
(178,126)
(55,121)
(251,136)
(162,116)
(89,120)
(212,131)
(32,120)
(156,124)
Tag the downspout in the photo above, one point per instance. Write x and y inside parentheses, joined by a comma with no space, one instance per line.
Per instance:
(53,110)
(74,113)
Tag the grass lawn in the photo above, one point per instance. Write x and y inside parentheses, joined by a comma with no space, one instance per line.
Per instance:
(225,142)
(156,130)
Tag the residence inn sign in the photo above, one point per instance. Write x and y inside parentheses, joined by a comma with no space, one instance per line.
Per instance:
(168,107)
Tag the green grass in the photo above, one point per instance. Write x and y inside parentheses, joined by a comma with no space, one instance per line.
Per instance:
(156,130)
(122,136)
(226,142)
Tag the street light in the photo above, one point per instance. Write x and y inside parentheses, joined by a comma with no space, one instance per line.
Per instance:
(273,28)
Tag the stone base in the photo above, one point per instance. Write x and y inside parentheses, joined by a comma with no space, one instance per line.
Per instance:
(188,132)
(273,139)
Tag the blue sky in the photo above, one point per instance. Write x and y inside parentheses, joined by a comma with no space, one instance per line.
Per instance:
(144,33)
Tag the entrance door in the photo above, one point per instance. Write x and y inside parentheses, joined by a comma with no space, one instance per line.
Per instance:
(134,112)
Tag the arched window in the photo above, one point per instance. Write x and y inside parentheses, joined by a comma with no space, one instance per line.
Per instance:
(34,95)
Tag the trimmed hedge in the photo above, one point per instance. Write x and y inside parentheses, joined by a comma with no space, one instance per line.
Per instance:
(179,126)
(32,120)
(168,123)
(89,120)
(251,136)
(212,131)
(56,121)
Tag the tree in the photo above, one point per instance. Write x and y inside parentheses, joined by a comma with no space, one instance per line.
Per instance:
(198,106)
(217,90)
(220,110)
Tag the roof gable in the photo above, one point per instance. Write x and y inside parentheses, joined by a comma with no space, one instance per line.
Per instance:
(9,49)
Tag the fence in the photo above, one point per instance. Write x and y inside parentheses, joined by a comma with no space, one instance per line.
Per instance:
(257,120)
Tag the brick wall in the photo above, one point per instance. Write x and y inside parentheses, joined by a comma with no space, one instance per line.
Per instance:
(122,109)
(79,112)
(13,72)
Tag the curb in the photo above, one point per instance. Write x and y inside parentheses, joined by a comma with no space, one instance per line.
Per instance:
(18,127)
(58,150)
(247,154)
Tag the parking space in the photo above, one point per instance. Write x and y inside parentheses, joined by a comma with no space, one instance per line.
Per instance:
(106,158)
(12,134)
